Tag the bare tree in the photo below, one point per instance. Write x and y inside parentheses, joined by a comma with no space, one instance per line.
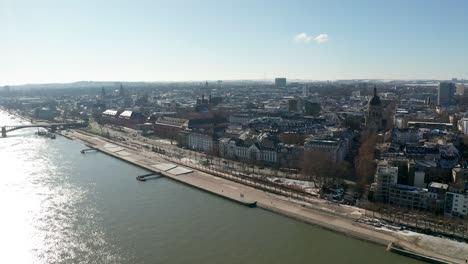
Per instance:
(343,169)
(364,162)
(293,138)
(318,168)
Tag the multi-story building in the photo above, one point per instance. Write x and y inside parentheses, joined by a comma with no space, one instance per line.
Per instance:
(199,141)
(422,153)
(311,108)
(242,150)
(385,177)
(406,136)
(334,149)
(460,89)
(464,125)
(445,95)
(436,198)
(386,189)
(169,127)
(305,91)
(280,82)
(294,105)
(456,202)
(110,116)
(460,174)
(408,196)
(242,119)
(431,171)
(131,118)
(202,134)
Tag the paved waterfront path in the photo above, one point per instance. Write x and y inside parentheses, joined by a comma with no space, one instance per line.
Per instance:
(439,248)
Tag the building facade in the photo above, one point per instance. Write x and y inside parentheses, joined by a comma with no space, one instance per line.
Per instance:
(131,119)
(408,196)
(406,136)
(199,141)
(333,149)
(385,177)
(280,82)
(460,89)
(456,202)
(445,93)
(241,150)
(169,127)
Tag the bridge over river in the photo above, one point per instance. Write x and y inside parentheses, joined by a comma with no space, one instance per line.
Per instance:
(51,126)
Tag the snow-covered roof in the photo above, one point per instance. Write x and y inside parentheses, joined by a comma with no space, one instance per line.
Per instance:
(110,112)
(126,113)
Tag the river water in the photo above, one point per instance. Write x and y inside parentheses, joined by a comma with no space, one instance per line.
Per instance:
(61,206)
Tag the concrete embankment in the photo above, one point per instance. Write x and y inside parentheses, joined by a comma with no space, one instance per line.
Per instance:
(250,204)
(246,195)
(353,233)
(180,179)
(66,136)
(324,224)
(417,256)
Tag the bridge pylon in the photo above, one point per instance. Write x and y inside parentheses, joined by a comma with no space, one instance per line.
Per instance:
(4,131)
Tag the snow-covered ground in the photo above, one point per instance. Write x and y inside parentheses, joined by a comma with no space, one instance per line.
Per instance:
(441,245)
(188,160)
(307,186)
(357,213)
(164,141)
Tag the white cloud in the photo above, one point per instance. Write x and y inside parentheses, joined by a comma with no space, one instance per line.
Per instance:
(321,38)
(303,37)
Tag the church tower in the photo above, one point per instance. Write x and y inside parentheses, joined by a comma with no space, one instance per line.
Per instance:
(374,118)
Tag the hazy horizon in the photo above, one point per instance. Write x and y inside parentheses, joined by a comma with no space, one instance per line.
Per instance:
(215,80)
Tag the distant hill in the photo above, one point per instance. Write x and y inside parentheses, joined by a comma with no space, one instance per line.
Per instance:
(81,84)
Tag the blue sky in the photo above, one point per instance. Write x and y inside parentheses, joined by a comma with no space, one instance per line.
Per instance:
(65,40)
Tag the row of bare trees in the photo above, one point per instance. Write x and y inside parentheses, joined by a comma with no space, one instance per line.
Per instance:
(419,219)
(321,169)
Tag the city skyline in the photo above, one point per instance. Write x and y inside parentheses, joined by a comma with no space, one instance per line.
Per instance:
(58,42)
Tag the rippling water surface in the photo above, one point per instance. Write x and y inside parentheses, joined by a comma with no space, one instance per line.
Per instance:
(60,206)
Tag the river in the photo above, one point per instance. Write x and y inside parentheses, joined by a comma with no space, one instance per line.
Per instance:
(61,206)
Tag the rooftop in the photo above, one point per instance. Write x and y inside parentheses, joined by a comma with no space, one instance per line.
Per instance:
(438,185)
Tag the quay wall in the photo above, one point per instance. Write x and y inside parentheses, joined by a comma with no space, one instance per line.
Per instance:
(347,232)
(417,256)
(167,175)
